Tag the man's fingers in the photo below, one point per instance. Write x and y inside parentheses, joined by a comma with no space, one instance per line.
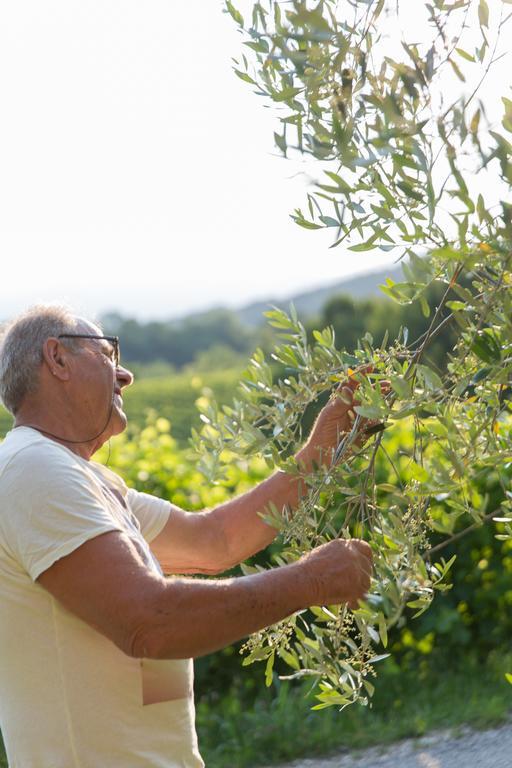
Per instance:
(345,394)
(346,413)
(353,380)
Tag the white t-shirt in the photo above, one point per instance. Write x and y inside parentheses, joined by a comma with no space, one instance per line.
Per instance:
(69,698)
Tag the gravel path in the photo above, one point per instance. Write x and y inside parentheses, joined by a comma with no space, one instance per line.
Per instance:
(444,749)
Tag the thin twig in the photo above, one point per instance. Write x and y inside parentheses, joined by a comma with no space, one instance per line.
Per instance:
(460,534)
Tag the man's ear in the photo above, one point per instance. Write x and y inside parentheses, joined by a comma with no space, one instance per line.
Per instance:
(56,358)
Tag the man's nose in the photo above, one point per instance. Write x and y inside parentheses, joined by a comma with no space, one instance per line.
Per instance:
(124,376)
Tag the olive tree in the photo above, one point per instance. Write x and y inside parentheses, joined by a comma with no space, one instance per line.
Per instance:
(410,159)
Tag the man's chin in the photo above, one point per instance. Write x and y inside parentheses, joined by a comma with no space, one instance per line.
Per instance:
(119,421)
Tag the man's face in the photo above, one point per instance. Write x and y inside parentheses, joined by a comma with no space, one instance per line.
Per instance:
(98,384)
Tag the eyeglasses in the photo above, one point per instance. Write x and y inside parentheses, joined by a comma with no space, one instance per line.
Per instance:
(114,340)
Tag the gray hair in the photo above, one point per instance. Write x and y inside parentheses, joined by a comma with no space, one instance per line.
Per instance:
(21,349)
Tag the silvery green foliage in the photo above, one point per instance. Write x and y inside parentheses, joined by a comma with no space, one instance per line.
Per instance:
(397,142)
(400,166)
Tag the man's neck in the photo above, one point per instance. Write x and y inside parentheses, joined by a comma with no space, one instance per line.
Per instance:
(84,449)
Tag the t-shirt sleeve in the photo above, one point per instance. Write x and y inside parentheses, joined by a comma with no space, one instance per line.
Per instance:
(54,506)
(151,512)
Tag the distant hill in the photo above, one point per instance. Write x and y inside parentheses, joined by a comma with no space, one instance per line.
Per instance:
(310,303)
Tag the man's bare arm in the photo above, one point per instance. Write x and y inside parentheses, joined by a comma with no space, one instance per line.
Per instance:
(213,541)
(106,584)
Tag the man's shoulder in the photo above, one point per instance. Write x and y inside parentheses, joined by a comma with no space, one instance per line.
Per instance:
(28,454)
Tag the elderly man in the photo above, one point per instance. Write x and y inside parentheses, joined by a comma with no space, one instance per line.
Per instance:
(95,643)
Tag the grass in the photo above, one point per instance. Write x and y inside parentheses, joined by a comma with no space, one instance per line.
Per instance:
(280,725)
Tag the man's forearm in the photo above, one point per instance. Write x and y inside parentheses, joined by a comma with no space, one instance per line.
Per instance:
(192,617)
(244,530)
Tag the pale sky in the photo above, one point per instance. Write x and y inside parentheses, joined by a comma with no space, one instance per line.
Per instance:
(137,173)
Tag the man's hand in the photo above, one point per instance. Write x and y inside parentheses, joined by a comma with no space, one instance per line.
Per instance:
(339,571)
(335,419)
